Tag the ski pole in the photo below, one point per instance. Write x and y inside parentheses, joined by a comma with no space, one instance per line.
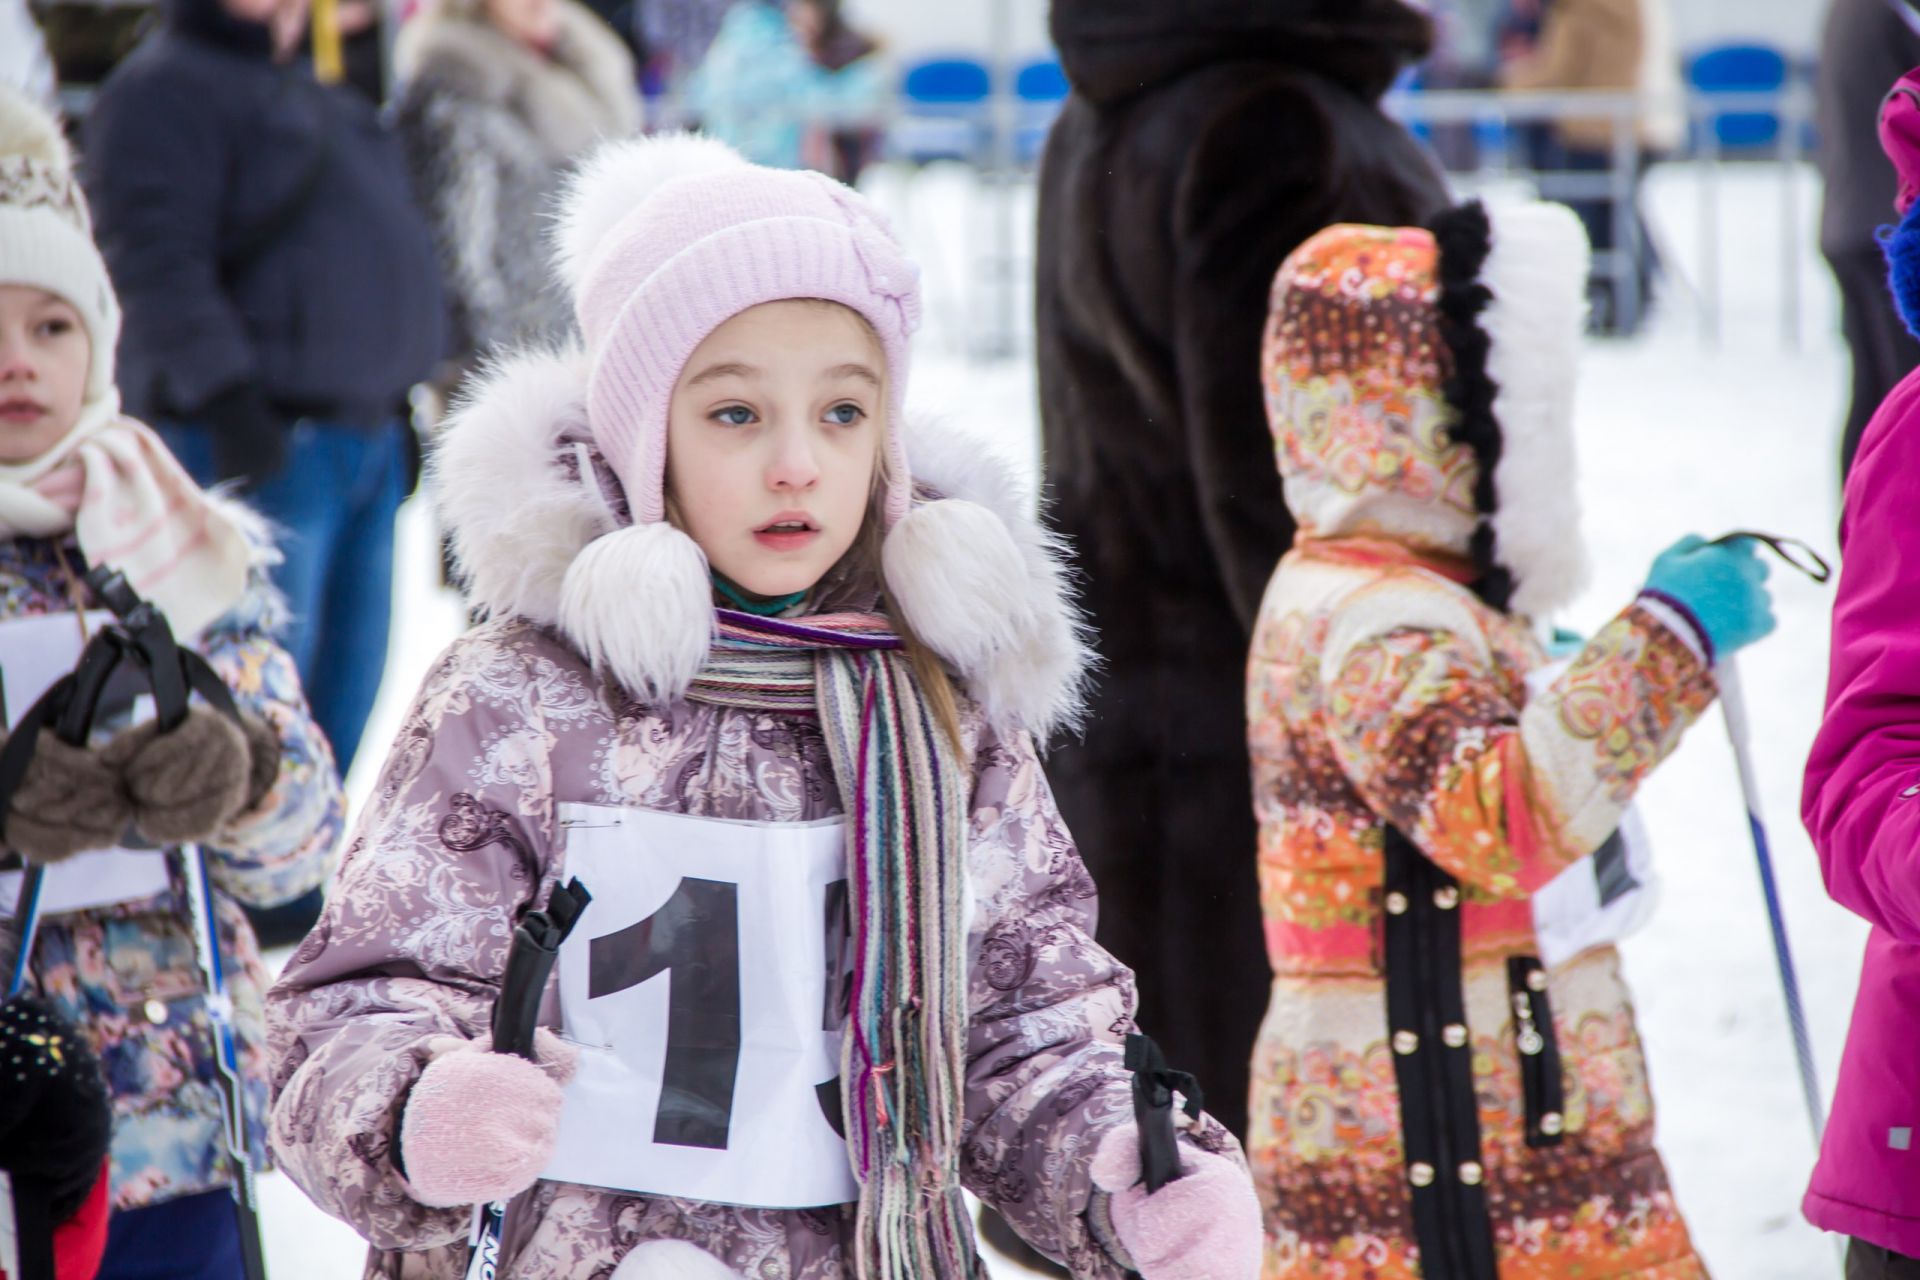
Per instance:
(516,1016)
(26,920)
(206,944)
(1733,707)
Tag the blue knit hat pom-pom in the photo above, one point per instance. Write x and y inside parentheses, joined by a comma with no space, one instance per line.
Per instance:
(1902,246)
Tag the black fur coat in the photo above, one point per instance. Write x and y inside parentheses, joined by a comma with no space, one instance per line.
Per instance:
(1202,143)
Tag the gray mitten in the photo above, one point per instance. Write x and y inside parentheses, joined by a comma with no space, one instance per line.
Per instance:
(263,759)
(70,801)
(184,785)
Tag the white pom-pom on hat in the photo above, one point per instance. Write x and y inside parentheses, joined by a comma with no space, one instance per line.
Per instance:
(613,181)
(638,603)
(27,131)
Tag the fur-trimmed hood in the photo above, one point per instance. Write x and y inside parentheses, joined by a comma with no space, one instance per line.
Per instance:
(527,500)
(585,90)
(1419,384)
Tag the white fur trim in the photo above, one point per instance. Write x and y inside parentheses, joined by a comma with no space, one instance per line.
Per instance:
(516,518)
(613,180)
(1018,642)
(672,1260)
(638,603)
(1536,269)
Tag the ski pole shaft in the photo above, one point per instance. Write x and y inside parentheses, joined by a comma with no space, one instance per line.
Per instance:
(206,938)
(1733,706)
(26,918)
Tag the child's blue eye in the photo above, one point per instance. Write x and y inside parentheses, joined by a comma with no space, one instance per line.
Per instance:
(845,415)
(734,415)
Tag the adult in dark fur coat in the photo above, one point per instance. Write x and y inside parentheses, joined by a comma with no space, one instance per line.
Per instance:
(500,97)
(1202,143)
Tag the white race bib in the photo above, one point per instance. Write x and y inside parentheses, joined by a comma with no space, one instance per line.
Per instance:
(35,652)
(705,986)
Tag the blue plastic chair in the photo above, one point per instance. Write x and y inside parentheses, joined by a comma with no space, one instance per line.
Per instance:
(1740,68)
(1042,80)
(1040,87)
(946,82)
(943,110)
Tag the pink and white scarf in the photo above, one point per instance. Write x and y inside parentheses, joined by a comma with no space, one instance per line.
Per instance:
(112,482)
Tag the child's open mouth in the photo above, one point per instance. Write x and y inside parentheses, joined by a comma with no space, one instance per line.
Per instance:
(788,531)
(21,412)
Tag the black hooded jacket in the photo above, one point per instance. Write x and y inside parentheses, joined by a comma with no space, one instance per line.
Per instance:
(1204,140)
(259,227)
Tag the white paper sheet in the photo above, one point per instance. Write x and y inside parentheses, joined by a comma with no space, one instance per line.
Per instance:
(700,1104)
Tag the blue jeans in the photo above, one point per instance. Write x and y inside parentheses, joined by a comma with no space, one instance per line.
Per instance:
(334,502)
(192,1238)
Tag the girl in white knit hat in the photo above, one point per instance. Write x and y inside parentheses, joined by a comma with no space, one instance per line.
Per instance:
(82,487)
(766,673)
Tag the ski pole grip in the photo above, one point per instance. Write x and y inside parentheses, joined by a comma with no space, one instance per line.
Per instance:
(1153,1090)
(536,945)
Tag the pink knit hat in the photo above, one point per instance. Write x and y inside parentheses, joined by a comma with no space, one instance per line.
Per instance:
(664,239)
(1900,136)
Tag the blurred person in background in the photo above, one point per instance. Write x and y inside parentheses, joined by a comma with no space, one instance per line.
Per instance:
(498,98)
(1201,144)
(1866,46)
(1619,45)
(760,90)
(843,148)
(281,298)
(676,35)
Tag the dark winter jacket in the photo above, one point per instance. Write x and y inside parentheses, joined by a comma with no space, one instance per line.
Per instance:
(1202,143)
(489,126)
(1867,45)
(259,228)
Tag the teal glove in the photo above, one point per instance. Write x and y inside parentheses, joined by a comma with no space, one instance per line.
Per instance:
(1719,586)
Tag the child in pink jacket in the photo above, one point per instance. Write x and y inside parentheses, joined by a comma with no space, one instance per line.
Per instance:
(1862,800)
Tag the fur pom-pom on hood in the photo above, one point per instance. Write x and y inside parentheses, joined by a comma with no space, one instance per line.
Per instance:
(539,530)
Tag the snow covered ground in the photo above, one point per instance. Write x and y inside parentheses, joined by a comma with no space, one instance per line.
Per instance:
(1677,434)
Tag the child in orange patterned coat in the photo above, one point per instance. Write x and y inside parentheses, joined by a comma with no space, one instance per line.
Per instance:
(1429,1099)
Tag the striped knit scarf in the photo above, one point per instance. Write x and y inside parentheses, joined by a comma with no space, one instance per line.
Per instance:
(902,787)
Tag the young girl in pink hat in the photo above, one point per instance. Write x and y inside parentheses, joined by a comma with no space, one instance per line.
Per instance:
(766,672)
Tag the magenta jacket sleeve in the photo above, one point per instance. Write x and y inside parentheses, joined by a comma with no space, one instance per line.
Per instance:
(1862,798)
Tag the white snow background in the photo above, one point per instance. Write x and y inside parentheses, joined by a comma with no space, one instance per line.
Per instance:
(1677,434)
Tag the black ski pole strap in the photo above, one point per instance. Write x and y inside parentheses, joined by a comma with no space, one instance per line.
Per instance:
(1154,1085)
(98,661)
(1796,553)
(536,944)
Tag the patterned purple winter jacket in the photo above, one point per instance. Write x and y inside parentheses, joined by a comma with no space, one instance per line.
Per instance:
(126,974)
(463,834)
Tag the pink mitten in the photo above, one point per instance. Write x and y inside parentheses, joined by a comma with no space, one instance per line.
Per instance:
(1204,1226)
(479,1126)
